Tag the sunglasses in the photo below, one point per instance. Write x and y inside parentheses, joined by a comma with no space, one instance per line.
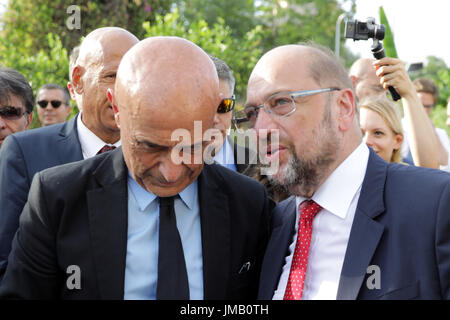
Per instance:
(226,105)
(44,103)
(11,113)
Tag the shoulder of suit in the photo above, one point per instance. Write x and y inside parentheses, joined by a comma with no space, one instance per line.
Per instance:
(39,133)
(415,175)
(73,170)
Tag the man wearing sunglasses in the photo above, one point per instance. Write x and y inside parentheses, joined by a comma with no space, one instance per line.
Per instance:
(355,226)
(53,104)
(91,132)
(16,112)
(229,154)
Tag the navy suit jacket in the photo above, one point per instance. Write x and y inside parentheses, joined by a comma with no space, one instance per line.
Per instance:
(22,155)
(401,225)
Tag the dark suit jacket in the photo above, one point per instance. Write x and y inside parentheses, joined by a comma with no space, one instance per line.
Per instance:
(21,156)
(401,225)
(244,158)
(76,214)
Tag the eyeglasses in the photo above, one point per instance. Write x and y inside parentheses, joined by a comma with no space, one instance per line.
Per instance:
(226,105)
(44,103)
(11,113)
(428,106)
(281,104)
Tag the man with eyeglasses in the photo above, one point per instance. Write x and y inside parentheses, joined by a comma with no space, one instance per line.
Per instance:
(229,154)
(16,103)
(53,104)
(91,132)
(355,226)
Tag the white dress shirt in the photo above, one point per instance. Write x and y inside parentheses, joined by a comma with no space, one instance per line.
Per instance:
(225,156)
(90,143)
(442,135)
(338,196)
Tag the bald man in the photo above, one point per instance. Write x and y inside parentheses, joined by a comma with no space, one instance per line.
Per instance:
(137,223)
(356,227)
(90,132)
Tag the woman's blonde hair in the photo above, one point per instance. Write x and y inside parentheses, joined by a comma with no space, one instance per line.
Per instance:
(390,113)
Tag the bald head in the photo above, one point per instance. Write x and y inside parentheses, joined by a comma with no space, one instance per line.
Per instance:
(104,42)
(165,86)
(165,70)
(364,78)
(94,73)
(289,61)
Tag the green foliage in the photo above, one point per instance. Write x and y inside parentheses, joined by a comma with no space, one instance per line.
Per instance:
(240,55)
(27,22)
(439,117)
(388,42)
(43,67)
(238,15)
(436,69)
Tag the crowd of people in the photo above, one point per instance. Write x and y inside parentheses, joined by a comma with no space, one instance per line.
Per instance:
(96,207)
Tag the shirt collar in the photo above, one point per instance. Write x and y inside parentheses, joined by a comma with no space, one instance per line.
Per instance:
(337,192)
(90,143)
(144,198)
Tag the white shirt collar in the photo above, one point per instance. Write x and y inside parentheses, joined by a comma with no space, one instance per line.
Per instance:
(90,143)
(337,192)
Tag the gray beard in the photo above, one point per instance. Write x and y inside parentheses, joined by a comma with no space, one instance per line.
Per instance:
(302,177)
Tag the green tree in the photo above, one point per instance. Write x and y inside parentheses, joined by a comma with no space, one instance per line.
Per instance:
(46,66)
(240,55)
(238,15)
(27,22)
(388,42)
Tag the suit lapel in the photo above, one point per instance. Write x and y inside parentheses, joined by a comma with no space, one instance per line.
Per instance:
(108,223)
(365,233)
(69,148)
(277,249)
(215,227)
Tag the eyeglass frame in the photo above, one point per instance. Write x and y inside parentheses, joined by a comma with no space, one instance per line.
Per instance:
(294,95)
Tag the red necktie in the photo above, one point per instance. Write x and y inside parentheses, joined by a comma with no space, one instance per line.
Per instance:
(106,148)
(294,289)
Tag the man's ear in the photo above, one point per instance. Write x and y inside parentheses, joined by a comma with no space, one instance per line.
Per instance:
(77,83)
(29,119)
(347,109)
(111,99)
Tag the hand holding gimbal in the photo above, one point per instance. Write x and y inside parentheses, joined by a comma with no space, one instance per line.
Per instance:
(358,30)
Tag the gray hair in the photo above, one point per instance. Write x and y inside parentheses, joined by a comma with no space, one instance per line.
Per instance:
(13,82)
(73,60)
(224,72)
(54,86)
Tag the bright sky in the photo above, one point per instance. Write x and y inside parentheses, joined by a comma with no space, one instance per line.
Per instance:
(420,27)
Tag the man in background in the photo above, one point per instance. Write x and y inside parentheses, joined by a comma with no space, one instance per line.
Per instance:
(91,132)
(16,103)
(230,154)
(372,78)
(428,93)
(53,104)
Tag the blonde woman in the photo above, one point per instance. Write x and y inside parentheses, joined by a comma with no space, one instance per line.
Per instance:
(381,126)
